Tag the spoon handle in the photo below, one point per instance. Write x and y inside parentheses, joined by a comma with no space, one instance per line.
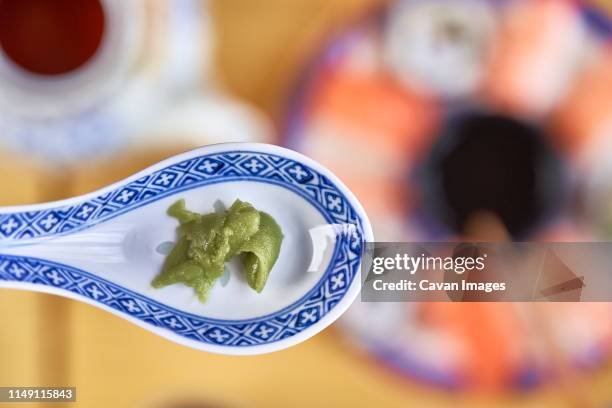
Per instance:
(40,275)
(24,269)
(25,224)
(22,224)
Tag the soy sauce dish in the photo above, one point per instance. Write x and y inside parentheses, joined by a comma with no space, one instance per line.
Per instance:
(106,248)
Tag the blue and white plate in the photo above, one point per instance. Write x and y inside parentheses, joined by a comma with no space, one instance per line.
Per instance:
(105,248)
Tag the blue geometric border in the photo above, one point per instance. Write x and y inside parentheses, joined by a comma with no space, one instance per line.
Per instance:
(191,173)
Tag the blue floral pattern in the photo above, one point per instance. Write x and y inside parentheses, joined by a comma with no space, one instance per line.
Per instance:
(241,165)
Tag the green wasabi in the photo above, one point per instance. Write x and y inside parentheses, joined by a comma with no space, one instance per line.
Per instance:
(206,242)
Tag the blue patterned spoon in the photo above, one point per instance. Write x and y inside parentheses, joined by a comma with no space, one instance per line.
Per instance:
(105,248)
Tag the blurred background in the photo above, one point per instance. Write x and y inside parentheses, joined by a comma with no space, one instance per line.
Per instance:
(405,100)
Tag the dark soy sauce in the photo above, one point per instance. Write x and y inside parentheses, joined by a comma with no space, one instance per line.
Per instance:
(51,37)
(495,163)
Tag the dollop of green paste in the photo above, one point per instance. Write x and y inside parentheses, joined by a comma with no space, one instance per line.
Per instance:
(206,242)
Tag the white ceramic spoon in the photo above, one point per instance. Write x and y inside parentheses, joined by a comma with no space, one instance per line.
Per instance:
(105,248)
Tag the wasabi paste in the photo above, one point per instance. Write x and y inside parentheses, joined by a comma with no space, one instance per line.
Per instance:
(206,242)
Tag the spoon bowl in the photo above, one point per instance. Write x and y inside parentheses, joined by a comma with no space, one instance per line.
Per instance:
(105,248)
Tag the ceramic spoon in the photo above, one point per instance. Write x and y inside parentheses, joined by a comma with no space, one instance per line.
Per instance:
(105,248)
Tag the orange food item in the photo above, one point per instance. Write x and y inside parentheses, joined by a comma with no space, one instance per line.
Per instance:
(586,111)
(538,50)
(490,335)
(393,120)
(368,131)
